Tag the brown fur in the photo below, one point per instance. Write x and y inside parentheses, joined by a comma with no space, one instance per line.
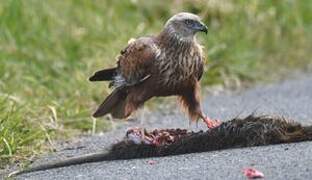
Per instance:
(236,133)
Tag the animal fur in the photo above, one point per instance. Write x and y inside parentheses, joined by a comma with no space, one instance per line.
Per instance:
(236,133)
(169,64)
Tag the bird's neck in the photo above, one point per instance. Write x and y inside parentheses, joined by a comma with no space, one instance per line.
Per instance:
(169,38)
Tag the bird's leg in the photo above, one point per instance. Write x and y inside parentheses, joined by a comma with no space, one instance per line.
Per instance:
(211,123)
(113,124)
(191,101)
(142,116)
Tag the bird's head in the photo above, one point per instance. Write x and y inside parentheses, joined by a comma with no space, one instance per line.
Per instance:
(185,25)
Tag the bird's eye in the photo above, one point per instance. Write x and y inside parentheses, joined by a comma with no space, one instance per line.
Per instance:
(188,22)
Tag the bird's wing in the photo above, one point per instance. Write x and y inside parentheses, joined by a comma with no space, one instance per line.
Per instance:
(136,61)
(200,71)
(200,62)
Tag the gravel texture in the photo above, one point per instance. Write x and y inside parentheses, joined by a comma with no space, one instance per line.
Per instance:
(291,98)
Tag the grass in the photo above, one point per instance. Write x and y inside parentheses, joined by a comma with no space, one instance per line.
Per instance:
(49,48)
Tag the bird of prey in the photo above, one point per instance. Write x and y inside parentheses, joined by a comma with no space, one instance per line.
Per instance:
(168,64)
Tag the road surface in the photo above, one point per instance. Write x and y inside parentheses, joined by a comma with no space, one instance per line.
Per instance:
(291,98)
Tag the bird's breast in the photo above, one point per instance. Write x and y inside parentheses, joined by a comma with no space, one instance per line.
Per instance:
(177,67)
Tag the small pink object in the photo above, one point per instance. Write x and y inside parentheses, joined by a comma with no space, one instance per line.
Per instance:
(252,173)
(211,123)
(151,162)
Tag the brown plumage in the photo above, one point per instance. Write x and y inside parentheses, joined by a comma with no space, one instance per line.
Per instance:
(170,63)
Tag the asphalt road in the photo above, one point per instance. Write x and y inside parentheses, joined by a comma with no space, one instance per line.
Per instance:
(291,98)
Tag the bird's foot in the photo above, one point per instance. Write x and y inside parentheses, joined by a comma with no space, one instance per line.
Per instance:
(211,123)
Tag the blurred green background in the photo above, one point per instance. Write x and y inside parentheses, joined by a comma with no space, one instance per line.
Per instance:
(48,49)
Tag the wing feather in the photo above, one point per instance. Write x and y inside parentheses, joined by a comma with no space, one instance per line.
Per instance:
(135,64)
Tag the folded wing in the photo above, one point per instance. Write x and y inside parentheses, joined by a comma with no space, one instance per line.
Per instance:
(134,66)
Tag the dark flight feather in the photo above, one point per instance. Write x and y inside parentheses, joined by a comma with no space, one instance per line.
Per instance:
(104,75)
(113,100)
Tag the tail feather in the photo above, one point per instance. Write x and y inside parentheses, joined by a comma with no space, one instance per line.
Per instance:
(104,75)
(115,102)
(119,111)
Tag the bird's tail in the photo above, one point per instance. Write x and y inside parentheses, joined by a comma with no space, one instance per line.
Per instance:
(104,75)
(115,104)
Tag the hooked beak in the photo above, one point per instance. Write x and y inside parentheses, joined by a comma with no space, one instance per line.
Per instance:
(200,26)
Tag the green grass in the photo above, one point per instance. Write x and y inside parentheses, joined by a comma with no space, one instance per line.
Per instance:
(49,48)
